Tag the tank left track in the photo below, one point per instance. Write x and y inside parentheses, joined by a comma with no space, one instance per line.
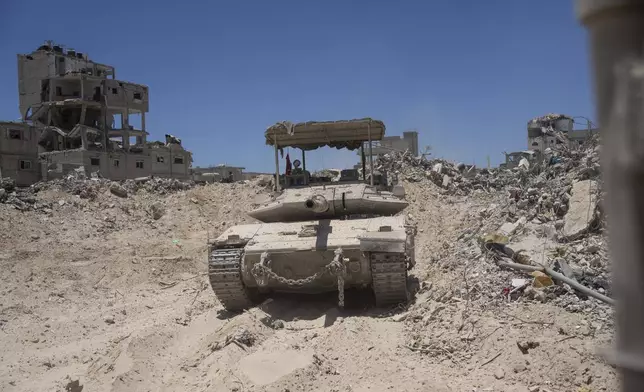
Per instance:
(224,270)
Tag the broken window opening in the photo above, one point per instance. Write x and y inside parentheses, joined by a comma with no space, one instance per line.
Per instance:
(115,90)
(535,144)
(137,96)
(116,163)
(160,159)
(25,165)
(117,121)
(178,160)
(95,161)
(134,119)
(14,134)
(139,164)
(59,91)
(61,65)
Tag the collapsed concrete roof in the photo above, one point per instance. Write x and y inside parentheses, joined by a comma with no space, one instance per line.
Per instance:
(310,135)
(549,118)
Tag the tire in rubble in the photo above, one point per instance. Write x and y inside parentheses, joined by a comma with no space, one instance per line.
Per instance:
(389,278)
(224,269)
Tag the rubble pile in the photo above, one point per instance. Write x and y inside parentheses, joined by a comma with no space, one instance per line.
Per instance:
(560,167)
(77,183)
(20,198)
(534,224)
(545,222)
(536,236)
(7,185)
(454,178)
(156,185)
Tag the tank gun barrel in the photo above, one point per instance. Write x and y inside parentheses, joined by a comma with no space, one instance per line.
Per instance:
(317,203)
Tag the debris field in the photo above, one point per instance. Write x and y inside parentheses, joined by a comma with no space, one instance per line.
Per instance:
(105,289)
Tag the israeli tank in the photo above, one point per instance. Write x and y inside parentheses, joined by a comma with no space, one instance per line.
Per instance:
(321,238)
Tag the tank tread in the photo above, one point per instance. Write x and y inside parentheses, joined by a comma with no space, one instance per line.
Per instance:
(224,270)
(389,278)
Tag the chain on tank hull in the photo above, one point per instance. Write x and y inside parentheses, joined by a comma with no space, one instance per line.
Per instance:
(310,257)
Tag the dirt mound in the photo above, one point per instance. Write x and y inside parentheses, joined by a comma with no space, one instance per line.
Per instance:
(110,290)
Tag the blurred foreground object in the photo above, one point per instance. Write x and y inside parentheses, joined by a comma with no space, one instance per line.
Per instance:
(616,33)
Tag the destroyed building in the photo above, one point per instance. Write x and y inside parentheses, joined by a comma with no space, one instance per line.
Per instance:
(252,175)
(76,114)
(221,171)
(543,132)
(407,142)
(19,152)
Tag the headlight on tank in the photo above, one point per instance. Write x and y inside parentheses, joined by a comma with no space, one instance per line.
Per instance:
(398,191)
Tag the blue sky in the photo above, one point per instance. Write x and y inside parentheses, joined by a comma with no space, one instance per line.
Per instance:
(467,74)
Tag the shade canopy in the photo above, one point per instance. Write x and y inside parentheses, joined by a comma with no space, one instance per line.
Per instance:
(310,135)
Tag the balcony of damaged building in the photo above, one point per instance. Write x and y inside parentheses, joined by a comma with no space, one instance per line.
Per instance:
(65,101)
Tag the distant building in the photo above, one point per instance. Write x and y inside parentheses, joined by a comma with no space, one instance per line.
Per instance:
(75,113)
(578,137)
(223,171)
(19,152)
(542,132)
(408,141)
(252,175)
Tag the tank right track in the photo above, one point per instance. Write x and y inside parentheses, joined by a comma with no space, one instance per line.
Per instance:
(389,278)
(224,269)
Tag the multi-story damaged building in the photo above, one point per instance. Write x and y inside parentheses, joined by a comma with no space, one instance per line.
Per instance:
(80,115)
(408,142)
(555,129)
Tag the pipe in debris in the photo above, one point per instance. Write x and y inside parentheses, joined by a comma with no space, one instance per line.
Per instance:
(578,286)
(522,267)
(616,35)
(557,276)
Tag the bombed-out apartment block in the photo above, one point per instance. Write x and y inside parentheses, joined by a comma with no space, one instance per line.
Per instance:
(547,131)
(77,114)
(407,142)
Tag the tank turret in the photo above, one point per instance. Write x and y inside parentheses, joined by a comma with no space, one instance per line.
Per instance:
(330,201)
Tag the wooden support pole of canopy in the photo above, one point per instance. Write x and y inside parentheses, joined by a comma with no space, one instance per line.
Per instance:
(370,153)
(277,164)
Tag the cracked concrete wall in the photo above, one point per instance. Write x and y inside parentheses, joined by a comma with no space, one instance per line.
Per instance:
(112,165)
(171,164)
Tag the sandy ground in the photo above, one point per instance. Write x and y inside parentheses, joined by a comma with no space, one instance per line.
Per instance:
(99,292)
